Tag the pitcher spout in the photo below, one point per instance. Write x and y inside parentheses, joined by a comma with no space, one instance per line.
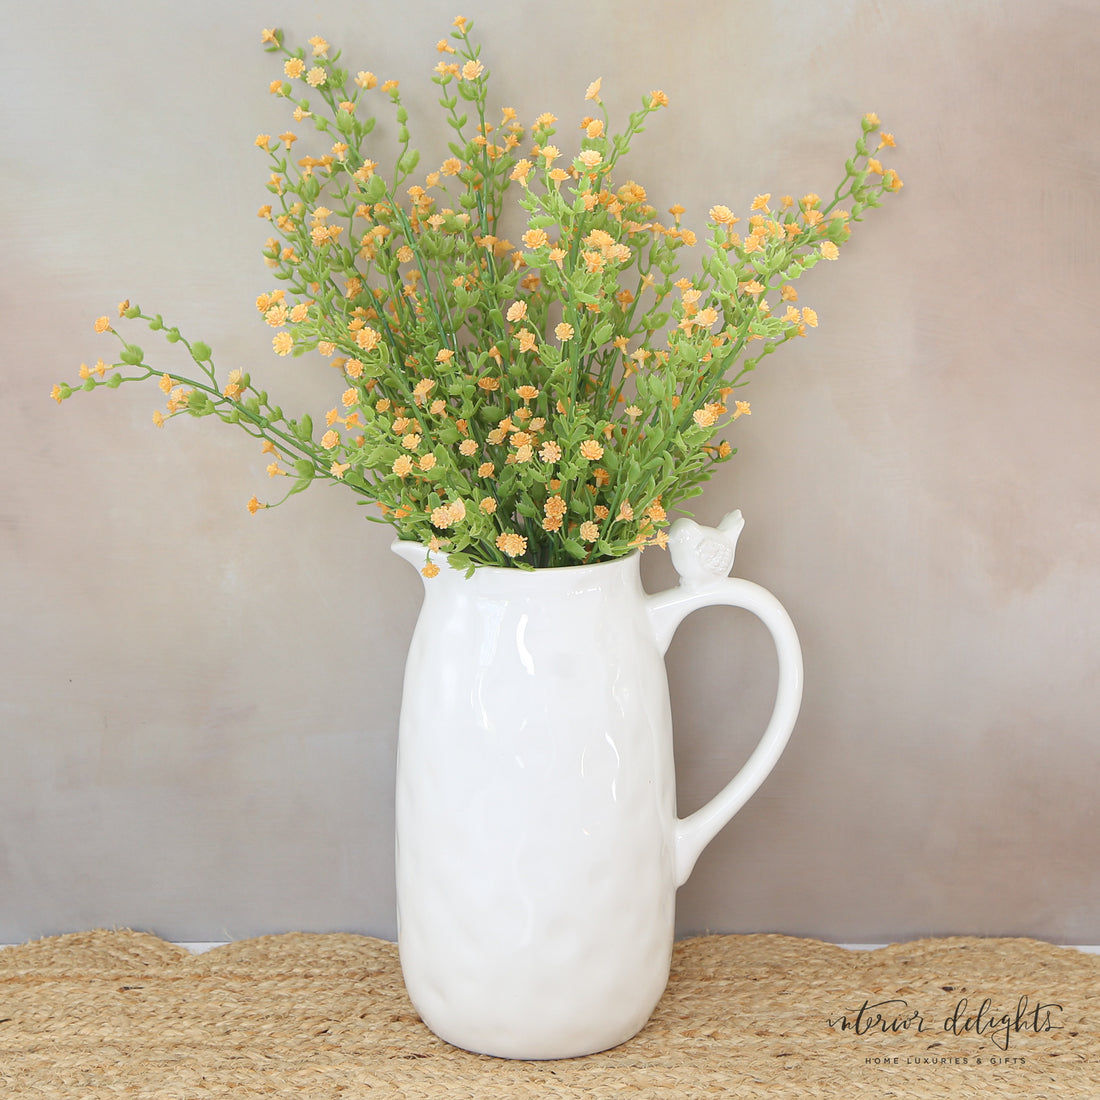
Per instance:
(419,557)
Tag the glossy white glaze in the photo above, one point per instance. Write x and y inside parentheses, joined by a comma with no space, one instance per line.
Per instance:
(538,848)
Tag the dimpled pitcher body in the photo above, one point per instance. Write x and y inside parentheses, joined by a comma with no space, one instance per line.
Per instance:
(538,848)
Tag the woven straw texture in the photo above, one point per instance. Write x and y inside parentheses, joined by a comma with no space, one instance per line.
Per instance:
(109,1014)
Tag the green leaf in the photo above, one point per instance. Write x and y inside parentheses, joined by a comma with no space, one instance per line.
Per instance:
(200,352)
(132,355)
(303,429)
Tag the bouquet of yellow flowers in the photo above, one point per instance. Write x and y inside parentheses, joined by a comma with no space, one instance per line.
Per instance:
(536,404)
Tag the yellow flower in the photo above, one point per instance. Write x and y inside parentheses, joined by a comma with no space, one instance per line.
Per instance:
(451,166)
(282,342)
(761,203)
(549,153)
(338,469)
(658,98)
(527,340)
(410,441)
(402,465)
(485,469)
(788,293)
(430,570)
(269,34)
(330,439)
(294,67)
(320,46)
(102,324)
(254,505)
(366,80)
(472,70)
(742,409)
(467,448)
(524,453)
(158,417)
(550,451)
(590,158)
(809,317)
(427,462)
(564,331)
(275,470)
(511,544)
(591,450)
(589,532)
(517,311)
(829,250)
(488,505)
(527,393)
(535,238)
(723,215)
(368,338)
(593,91)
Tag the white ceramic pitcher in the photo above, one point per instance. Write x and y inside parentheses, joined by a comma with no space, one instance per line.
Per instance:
(538,847)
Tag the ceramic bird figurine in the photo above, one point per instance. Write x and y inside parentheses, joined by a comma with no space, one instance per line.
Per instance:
(700,554)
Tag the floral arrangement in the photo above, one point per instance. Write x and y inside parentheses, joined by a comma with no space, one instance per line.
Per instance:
(535,404)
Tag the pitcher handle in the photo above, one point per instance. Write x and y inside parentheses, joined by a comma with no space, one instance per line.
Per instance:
(702,557)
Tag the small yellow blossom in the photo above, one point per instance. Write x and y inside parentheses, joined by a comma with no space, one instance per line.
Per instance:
(517,311)
(511,544)
(742,409)
(590,158)
(467,448)
(338,469)
(658,98)
(593,91)
(320,46)
(486,469)
(472,70)
(829,250)
(527,393)
(427,462)
(102,324)
(294,67)
(330,439)
(488,505)
(430,570)
(589,532)
(366,80)
(564,331)
(809,317)
(158,417)
(368,338)
(283,343)
(591,450)
(402,465)
(254,505)
(527,340)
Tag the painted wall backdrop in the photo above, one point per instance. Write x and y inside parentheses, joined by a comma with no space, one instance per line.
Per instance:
(198,707)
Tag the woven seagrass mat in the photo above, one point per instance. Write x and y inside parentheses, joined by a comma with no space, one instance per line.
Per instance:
(110,1014)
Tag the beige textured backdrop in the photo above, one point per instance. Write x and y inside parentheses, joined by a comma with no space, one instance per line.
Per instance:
(198,707)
